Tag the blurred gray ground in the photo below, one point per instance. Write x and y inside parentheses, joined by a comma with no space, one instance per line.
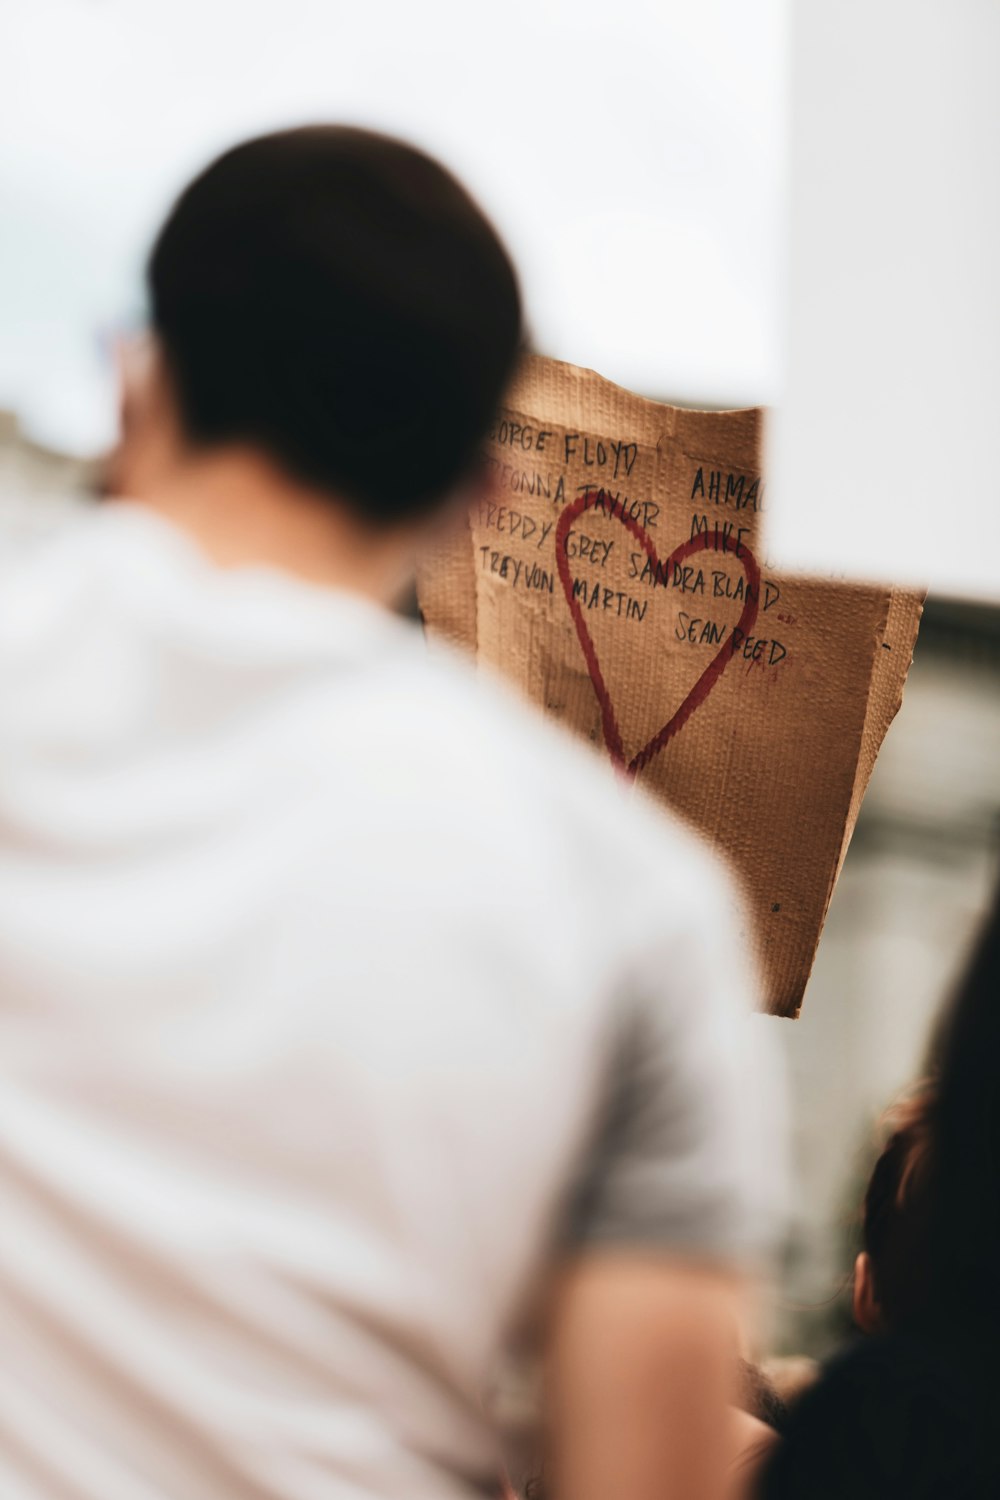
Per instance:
(915,883)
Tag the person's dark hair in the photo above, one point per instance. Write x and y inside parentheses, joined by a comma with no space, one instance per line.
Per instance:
(758,1396)
(915,1413)
(335,298)
(896,1216)
(966,1231)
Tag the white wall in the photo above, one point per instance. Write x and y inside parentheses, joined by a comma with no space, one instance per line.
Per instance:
(884,463)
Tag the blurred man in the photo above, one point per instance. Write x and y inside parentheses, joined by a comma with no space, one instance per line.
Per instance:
(348,1016)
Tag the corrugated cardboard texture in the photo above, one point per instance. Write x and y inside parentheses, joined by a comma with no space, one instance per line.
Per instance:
(617,576)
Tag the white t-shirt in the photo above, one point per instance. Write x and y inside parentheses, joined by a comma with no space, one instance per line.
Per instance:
(338,994)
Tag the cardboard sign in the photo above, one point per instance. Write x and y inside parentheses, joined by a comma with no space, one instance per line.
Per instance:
(617,575)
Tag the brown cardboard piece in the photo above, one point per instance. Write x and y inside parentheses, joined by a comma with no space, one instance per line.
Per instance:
(617,576)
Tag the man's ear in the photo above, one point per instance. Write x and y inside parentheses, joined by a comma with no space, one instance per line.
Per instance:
(150,436)
(867,1309)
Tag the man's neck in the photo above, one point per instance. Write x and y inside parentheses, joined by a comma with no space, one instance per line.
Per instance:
(242,511)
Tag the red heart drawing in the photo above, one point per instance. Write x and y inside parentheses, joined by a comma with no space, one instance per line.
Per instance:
(703,542)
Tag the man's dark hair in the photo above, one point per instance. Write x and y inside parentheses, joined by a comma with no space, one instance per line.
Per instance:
(335,298)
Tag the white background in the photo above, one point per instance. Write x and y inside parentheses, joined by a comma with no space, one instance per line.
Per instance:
(632,154)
